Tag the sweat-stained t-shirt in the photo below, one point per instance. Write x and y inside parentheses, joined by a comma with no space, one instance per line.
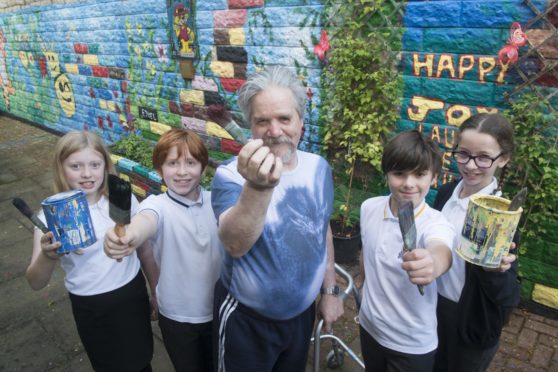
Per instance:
(281,275)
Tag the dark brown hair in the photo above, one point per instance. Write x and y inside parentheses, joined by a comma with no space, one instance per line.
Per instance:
(495,125)
(411,151)
(183,139)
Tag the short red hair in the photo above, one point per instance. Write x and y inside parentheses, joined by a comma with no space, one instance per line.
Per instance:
(184,140)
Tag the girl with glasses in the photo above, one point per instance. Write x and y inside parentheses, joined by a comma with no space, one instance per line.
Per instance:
(474,303)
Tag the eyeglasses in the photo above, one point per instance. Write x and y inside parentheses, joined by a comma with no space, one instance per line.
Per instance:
(482,161)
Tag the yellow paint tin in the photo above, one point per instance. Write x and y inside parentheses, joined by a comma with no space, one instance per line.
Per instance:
(488,230)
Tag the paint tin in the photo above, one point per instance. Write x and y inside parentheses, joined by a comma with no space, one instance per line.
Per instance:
(67,215)
(488,230)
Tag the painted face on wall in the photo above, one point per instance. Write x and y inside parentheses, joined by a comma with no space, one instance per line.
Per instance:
(53,64)
(65,94)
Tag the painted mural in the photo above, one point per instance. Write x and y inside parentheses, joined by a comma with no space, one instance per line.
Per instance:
(456,63)
(183,37)
(451,65)
(73,67)
(4,79)
(99,65)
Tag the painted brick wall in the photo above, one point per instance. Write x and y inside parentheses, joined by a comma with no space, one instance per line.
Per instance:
(451,71)
(105,65)
(450,64)
(91,64)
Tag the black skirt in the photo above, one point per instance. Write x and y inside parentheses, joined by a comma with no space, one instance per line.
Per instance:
(115,327)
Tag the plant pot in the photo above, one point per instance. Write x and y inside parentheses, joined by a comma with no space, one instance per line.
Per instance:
(346,247)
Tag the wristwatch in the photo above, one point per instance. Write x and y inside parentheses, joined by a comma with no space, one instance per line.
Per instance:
(334,291)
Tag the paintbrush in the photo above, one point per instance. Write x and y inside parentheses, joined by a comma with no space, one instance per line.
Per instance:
(518,200)
(406,216)
(120,203)
(22,206)
(218,113)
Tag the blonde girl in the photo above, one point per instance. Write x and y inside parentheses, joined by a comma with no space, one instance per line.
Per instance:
(109,299)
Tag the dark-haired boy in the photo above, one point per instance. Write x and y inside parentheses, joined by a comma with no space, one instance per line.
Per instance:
(397,324)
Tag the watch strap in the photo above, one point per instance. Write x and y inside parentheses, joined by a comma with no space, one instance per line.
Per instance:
(334,290)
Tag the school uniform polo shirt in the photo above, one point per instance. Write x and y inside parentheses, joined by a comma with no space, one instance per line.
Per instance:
(393,311)
(451,283)
(92,272)
(187,252)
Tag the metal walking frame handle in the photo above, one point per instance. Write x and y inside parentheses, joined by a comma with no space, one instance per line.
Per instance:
(318,336)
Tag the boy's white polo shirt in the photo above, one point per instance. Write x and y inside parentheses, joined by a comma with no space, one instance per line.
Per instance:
(187,252)
(392,310)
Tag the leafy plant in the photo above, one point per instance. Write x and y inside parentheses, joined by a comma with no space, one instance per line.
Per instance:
(535,162)
(207,177)
(140,149)
(361,89)
(135,148)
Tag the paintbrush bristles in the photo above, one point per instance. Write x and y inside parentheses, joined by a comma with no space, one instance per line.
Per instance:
(406,215)
(22,207)
(120,192)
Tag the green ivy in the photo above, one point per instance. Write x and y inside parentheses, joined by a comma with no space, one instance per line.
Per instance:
(361,89)
(535,163)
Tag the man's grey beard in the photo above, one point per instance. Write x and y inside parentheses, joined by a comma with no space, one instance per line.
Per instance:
(291,146)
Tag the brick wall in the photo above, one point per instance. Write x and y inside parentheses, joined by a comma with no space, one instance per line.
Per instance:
(7,6)
(451,72)
(106,65)
(450,64)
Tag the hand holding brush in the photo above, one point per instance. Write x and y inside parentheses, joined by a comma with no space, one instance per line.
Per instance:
(48,245)
(120,204)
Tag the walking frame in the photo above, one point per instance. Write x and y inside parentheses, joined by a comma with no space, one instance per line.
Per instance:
(335,357)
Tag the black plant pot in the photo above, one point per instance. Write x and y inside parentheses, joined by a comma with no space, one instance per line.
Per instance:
(346,248)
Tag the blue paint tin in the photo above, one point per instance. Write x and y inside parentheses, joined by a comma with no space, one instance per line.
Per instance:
(67,215)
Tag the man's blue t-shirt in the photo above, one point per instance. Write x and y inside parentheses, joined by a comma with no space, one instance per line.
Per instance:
(282,273)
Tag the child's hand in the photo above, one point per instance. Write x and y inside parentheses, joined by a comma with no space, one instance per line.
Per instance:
(419,265)
(49,246)
(506,262)
(119,247)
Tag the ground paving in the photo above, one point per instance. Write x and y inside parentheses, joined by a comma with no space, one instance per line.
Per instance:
(37,329)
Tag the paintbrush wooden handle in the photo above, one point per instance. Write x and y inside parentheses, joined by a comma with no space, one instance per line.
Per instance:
(120,231)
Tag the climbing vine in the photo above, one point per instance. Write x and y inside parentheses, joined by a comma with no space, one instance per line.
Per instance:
(535,163)
(360,89)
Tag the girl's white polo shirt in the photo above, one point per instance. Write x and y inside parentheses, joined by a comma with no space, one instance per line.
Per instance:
(451,283)
(93,272)
(392,310)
